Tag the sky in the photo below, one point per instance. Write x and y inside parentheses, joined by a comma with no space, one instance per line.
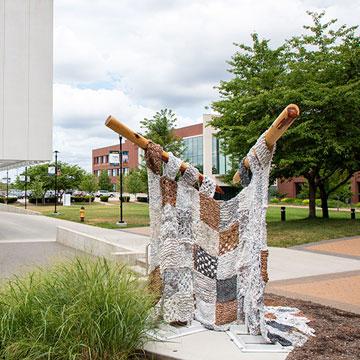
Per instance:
(131,58)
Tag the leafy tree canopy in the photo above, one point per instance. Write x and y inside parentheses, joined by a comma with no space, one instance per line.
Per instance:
(160,130)
(68,177)
(318,70)
(104,181)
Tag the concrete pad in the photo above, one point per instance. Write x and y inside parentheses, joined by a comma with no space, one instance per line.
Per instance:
(207,345)
(350,247)
(290,264)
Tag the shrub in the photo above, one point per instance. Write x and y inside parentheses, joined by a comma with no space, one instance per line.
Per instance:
(288,200)
(142,198)
(104,198)
(82,198)
(84,309)
(274,201)
(10,200)
(305,202)
(357,205)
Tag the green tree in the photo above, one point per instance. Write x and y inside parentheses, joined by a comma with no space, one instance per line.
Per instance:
(134,182)
(104,181)
(37,189)
(160,130)
(68,177)
(89,184)
(319,71)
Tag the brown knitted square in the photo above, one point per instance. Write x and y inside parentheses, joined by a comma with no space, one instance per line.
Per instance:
(153,157)
(228,239)
(168,191)
(209,211)
(264,261)
(155,283)
(226,312)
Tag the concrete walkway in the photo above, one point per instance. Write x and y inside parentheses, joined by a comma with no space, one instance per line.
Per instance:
(330,275)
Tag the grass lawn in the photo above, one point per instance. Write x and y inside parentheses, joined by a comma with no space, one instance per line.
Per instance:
(106,216)
(296,230)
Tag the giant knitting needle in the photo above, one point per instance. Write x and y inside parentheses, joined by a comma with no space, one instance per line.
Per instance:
(120,128)
(275,131)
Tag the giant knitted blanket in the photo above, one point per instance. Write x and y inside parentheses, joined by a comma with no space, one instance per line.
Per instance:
(208,258)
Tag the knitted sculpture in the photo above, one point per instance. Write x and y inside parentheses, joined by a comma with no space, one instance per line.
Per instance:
(208,258)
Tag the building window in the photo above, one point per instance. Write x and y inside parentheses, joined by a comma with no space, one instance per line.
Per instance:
(194,151)
(109,172)
(220,162)
(114,172)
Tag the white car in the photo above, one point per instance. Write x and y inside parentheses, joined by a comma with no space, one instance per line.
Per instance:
(104,193)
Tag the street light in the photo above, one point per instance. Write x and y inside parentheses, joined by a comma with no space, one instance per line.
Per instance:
(121,222)
(26,187)
(56,174)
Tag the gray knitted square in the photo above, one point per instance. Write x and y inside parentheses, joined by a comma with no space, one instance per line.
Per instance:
(226,289)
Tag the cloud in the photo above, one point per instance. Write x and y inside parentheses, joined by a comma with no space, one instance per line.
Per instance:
(131,58)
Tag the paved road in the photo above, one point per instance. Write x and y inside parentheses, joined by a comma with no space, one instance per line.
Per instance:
(27,241)
(18,227)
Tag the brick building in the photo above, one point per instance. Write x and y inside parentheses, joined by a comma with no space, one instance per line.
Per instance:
(292,187)
(100,159)
(201,149)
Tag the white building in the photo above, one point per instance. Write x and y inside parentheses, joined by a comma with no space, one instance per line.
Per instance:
(26,68)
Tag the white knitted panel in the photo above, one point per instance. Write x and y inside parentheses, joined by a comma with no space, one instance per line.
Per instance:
(226,268)
(205,313)
(207,238)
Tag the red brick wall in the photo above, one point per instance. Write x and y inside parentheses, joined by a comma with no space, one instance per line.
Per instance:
(355,188)
(288,186)
(127,146)
(191,130)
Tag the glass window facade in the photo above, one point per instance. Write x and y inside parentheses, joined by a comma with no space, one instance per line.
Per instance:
(220,162)
(194,151)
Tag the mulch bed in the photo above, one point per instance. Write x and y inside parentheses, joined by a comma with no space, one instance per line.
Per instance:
(337,332)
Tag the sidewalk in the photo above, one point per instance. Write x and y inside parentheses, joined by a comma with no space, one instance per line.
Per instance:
(336,283)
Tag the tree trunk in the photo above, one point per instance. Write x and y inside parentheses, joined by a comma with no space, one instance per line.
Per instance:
(312,198)
(324,201)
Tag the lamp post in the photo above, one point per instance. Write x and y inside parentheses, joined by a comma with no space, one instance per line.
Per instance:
(7,186)
(56,171)
(121,222)
(25,187)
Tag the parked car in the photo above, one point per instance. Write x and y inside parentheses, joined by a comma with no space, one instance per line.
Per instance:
(104,193)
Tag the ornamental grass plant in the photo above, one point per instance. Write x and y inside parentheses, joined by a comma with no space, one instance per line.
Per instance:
(81,309)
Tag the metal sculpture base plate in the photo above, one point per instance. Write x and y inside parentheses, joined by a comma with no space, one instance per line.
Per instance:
(253,343)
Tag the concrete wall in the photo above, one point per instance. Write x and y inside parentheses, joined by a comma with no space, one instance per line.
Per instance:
(95,246)
(26,68)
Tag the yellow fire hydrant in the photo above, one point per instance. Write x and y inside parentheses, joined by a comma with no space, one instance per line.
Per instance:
(82,214)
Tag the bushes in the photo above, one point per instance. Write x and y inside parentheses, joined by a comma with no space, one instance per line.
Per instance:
(104,198)
(306,202)
(10,200)
(288,200)
(86,309)
(82,198)
(274,201)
